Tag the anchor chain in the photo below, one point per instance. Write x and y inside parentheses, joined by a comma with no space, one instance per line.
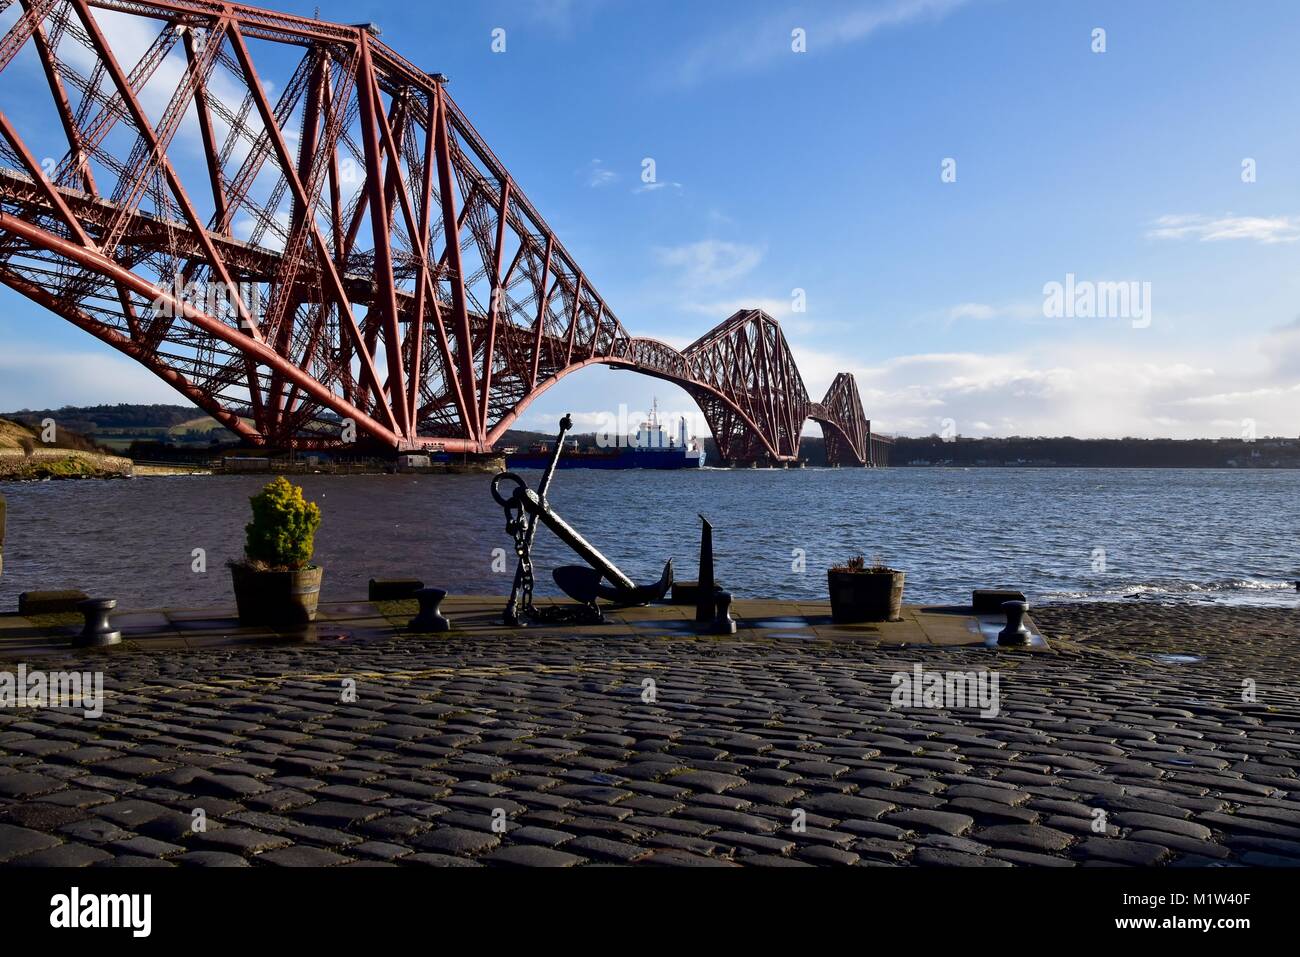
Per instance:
(521,527)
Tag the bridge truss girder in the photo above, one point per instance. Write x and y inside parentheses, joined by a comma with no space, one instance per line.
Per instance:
(296,228)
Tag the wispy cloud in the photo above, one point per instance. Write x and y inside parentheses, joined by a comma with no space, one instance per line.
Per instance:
(990,312)
(599,175)
(655,187)
(561,16)
(757,44)
(722,308)
(711,262)
(971,310)
(1260,229)
(714,279)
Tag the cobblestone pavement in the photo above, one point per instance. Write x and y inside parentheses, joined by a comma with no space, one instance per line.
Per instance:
(760,752)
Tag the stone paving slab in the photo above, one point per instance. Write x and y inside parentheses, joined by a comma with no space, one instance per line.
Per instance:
(670,749)
(170,629)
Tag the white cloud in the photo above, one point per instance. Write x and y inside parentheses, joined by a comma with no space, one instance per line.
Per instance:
(1260,229)
(756,44)
(1281,347)
(711,262)
(622,418)
(861,23)
(243,226)
(1242,398)
(1079,388)
(45,378)
(540,421)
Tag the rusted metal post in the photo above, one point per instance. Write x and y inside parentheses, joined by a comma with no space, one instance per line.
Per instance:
(705,600)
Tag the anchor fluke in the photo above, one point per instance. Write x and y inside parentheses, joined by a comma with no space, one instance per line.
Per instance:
(584,585)
(524,508)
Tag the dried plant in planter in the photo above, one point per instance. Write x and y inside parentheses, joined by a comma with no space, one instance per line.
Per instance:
(857,565)
(865,593)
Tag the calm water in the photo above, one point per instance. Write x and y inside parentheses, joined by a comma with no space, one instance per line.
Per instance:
(1167,535)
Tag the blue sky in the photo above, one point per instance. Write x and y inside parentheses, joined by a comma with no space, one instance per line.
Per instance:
(821,171)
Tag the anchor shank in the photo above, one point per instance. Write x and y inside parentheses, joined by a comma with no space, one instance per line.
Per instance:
(530,534)
(569,535)
(566,423)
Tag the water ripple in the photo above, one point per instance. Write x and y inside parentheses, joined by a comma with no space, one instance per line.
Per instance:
(1185,536)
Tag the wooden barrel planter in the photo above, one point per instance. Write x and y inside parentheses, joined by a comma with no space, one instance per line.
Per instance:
(276,599)
(867,595)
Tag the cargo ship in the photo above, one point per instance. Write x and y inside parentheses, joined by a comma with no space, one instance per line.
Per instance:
(652,449)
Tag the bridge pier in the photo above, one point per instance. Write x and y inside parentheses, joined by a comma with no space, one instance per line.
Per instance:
(878,452)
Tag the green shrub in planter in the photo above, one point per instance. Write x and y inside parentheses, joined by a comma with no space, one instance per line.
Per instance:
(282,535)
(276,585)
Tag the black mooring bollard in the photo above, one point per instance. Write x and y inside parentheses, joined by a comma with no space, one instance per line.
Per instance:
(98,631)
(430,617)
(723,624)
(1015,633)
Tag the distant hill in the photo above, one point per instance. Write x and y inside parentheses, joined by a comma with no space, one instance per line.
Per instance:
(96,418)
(21,436)
(24,456)
(13,436)
(124,427)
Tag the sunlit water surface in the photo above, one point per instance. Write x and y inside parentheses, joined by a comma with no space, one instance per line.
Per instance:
(1059,534)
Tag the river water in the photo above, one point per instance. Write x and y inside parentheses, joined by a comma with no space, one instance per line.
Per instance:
(1059,534)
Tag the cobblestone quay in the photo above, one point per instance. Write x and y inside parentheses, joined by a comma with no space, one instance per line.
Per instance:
(764,750)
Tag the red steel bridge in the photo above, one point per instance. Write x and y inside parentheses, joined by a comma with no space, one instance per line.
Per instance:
(302,233)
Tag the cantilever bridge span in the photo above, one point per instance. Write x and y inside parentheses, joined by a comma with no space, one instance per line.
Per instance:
(294,226)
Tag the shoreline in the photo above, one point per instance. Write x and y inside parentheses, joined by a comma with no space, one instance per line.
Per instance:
(62,464)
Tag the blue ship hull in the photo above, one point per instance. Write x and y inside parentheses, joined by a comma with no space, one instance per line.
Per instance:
(624,458)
